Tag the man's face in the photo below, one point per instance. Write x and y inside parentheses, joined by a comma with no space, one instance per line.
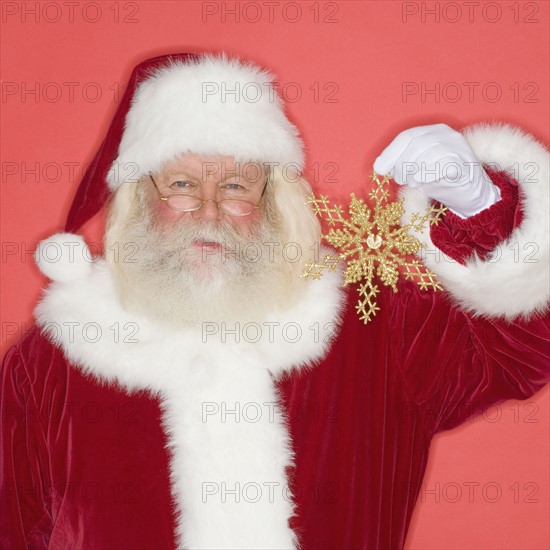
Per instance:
(209,179)
(195,266)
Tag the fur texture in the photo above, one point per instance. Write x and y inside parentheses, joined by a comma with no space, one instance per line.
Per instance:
(210,106)
(225,428)
(515,280)
(64,257)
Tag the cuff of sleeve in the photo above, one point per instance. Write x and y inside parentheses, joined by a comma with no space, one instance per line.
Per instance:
(459,238)
(506,274)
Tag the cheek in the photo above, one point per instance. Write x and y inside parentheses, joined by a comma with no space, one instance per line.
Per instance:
(166,216)
(246,224)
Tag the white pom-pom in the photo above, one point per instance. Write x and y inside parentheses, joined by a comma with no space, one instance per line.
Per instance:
(64,257)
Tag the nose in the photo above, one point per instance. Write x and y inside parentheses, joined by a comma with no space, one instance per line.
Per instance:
(209,211)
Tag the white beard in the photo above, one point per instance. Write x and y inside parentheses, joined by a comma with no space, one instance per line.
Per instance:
(180,285)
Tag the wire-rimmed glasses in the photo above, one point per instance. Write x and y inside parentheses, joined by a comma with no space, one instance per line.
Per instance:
(182,202)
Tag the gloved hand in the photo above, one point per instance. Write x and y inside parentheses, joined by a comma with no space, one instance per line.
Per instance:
(439,161)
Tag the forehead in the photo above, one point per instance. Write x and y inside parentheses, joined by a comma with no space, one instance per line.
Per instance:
(191,162)
(198,165)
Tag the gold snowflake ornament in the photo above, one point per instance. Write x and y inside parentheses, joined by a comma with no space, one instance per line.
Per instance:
(372,242)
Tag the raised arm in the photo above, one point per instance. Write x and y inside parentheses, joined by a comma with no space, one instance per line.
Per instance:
(487,337)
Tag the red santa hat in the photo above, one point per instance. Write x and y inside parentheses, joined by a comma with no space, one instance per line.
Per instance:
(207,104)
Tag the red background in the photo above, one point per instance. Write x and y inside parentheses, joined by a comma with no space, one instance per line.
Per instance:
(343,66)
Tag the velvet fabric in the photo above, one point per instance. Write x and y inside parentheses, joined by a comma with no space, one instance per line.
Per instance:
(84,465)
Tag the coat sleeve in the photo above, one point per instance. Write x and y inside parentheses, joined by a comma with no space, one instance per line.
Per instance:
(486,339)
(455,366)
(25,519)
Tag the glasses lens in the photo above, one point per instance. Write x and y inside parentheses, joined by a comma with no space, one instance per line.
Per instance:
(236,208)
(183,203)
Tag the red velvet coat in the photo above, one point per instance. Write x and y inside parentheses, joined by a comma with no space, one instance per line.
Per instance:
(85,463)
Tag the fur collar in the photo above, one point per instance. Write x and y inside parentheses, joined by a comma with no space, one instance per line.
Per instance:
(220,409)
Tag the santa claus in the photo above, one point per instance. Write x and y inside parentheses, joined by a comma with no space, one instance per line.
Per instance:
(190,390)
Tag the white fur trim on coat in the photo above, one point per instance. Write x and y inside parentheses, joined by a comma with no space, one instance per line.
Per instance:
(225,428)
(514,280)
(209,106)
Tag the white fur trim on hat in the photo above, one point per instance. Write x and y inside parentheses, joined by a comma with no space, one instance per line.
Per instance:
(514,280)
(64,257)
(209,106)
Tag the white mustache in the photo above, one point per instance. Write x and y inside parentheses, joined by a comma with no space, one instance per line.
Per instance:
(186,234)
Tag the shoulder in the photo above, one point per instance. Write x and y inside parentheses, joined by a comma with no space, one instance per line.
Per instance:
(32,364)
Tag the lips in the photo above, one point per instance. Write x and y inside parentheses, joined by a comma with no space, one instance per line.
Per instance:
(207,246)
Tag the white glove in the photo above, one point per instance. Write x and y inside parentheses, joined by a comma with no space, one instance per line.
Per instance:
(439,161)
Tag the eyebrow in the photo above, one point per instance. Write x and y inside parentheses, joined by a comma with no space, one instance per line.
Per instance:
(180,174)
(187,175)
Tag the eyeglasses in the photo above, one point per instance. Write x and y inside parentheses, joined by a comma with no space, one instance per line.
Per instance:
(188,203)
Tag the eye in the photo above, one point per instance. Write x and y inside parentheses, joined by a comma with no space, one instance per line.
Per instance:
(233,187)
(183,185)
